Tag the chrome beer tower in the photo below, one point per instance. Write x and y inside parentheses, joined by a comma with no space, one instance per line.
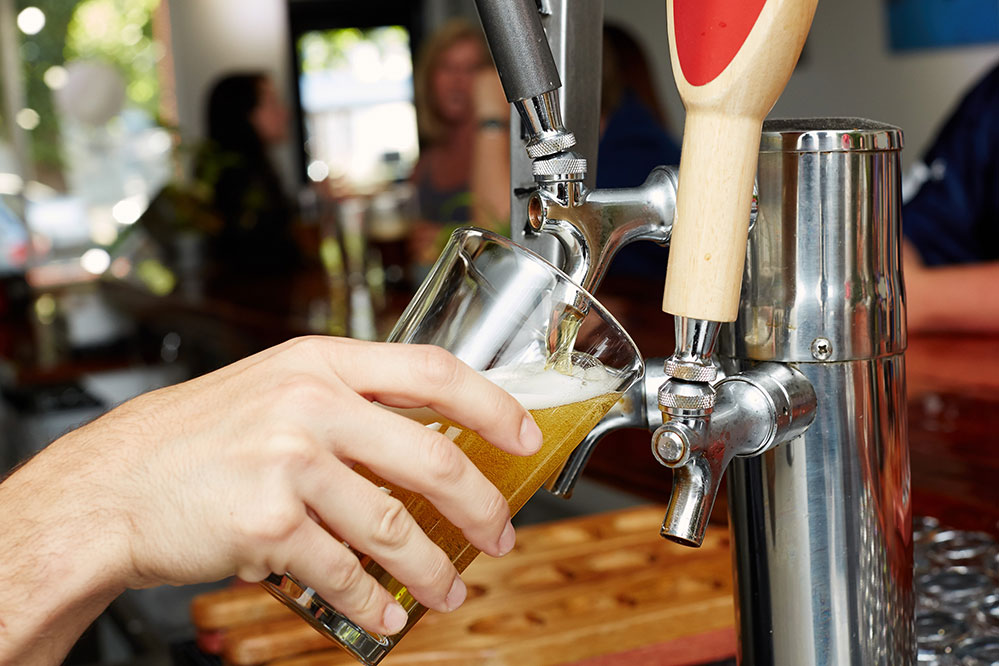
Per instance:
(801,398)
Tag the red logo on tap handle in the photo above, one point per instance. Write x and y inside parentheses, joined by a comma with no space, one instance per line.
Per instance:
(709,33)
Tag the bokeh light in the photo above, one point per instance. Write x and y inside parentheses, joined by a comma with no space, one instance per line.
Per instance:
(31,20)
(95,261)
(27,119)
(11,183)
(127,211)
(317,171)
(56,77)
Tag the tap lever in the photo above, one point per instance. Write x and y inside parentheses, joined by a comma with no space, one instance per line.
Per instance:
(728,81)
(528,73)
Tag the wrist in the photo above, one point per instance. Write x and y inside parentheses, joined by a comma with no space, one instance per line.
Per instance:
(64,556)
(67,498)
(493,123)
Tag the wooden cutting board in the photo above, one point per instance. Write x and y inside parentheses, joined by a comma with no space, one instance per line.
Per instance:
(571,590)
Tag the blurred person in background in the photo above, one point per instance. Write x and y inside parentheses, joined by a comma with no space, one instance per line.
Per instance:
(463,174)
(951,221)
(246,119)
(633,140)
(633,135)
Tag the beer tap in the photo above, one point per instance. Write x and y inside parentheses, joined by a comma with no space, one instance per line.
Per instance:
(731,60)
(818,494)
(590,225)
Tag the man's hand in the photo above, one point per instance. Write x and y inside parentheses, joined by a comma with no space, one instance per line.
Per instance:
(233,472)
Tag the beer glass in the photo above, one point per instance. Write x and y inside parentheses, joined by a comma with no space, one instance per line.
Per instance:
(514,317)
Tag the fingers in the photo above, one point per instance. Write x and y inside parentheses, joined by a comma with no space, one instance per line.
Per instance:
(427,376)
(424,461)
(327,566)
(379,526)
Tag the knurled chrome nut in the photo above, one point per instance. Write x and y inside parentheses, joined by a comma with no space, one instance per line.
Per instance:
(551,145)
(690,372)
(671,400)
(558,166)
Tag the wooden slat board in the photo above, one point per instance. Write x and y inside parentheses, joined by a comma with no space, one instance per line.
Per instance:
(569,591)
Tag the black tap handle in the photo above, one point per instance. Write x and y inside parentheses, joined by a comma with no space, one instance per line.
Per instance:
(519,47)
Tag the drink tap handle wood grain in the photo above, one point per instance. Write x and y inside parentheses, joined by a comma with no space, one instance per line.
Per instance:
(731,60)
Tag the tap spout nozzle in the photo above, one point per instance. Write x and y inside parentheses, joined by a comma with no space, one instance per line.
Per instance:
(752,412)
(695,484)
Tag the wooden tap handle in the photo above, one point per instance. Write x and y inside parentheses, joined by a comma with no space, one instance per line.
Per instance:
(731,60)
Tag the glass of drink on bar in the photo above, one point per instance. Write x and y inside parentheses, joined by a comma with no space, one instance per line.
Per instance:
(520,321)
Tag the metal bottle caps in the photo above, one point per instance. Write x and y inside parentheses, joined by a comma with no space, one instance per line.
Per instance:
(957,592)
(936,635)
(987,616)
(978,651)
(958,548)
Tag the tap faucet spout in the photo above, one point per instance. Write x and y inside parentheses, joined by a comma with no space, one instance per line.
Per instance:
(752,412)
(698,465)
(638,408)
(593,225)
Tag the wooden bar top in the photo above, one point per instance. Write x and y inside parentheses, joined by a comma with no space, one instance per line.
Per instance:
(572,591)
(953,390)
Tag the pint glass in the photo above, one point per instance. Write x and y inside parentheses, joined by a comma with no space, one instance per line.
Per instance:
(514,317)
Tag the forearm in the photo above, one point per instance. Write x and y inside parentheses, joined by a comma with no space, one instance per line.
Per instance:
(61,553)
(953,298)
(490,180)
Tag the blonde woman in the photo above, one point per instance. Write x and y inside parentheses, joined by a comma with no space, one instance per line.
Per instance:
(463,174)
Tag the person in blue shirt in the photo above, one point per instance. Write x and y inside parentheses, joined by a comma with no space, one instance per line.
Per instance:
(951,221)
(633,141)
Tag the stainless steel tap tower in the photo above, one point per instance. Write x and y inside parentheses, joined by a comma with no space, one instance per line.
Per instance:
(801,397)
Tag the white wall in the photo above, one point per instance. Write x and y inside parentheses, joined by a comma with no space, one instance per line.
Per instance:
(213,37)
(848,69)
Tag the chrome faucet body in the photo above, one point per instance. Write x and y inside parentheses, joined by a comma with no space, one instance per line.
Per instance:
(592,225)
(822,526)
(802,397)
(751,412)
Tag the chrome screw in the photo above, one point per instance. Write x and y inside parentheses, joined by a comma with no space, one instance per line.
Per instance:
(821,349)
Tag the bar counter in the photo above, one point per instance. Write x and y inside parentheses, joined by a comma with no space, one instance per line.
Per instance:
(599,590)
(953,414)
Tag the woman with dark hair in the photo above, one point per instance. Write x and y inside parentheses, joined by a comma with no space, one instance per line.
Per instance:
(246,118)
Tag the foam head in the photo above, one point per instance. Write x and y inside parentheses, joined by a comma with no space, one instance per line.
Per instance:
(536,387)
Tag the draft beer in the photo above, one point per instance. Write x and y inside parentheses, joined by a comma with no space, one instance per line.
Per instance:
(498,307)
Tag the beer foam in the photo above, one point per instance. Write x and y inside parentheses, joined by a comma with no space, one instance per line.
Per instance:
(536,387)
